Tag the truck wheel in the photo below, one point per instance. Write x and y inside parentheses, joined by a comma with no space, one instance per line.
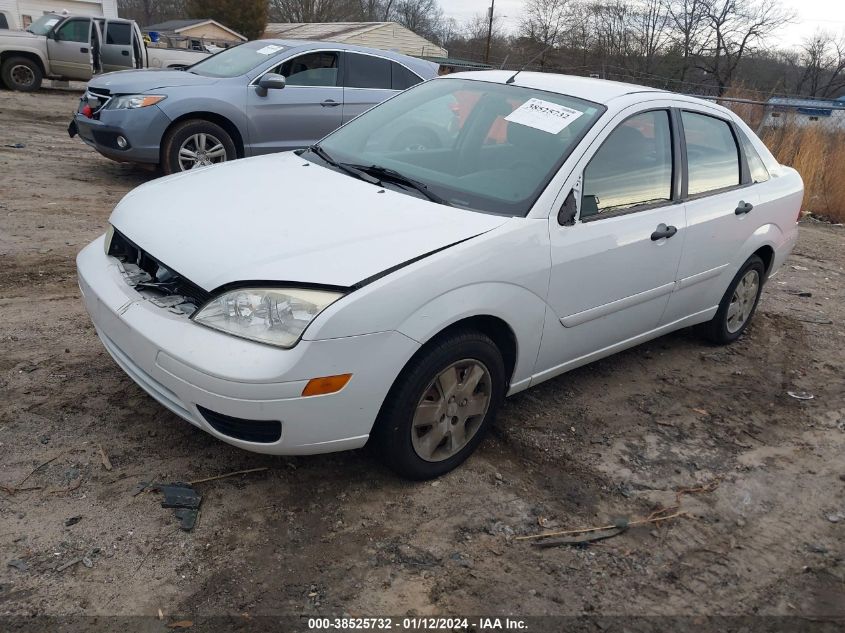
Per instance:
(195,143)
(22,74)
(440,407)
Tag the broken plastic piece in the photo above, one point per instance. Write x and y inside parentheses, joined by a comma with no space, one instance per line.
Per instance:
(184,499)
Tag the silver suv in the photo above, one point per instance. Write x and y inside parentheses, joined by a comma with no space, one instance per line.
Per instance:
(261,97)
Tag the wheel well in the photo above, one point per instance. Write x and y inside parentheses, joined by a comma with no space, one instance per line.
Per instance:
(231,129)
(30,56)
(767,254)
(498,331)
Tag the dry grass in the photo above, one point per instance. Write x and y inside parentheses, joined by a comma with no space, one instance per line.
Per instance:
(819,156)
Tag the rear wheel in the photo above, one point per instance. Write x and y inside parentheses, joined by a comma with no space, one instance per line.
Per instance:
(440,407)
(738,304)
(196,143)
(22,74)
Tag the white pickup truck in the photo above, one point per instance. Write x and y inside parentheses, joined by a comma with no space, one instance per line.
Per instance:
(76,47)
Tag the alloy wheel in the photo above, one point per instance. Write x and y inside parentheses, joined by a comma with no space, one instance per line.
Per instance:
(451,410)
(201,150)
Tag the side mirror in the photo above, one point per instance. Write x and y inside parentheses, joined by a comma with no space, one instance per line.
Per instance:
(568,210)
(270,81)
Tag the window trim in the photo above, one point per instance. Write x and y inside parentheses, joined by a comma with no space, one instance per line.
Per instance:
(341,68)
(744,171)
(676,183)
(368,54)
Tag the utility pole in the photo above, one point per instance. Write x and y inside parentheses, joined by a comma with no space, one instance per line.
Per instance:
(489,31)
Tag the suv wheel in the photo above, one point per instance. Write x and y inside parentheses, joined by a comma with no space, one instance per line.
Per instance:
(196,143)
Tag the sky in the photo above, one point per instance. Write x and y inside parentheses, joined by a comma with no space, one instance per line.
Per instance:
(811,15)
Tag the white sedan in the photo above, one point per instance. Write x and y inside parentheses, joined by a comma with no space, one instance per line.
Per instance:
(471,237)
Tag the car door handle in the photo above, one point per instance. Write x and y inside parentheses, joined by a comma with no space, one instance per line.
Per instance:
(83,50)
(330,103)
(743,208)
(663,231)
(124,53)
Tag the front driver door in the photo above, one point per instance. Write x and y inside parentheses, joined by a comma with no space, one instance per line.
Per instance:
(614,269)
(304,111)
(69,49)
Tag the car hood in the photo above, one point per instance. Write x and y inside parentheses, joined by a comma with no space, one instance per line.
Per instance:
(138,81)
(8,33)
(279,218)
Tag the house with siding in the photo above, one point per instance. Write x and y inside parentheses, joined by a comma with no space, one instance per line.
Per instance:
(19,14)
(389,36)
(194,33)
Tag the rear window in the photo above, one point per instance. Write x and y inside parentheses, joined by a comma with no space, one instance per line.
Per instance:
(402,78)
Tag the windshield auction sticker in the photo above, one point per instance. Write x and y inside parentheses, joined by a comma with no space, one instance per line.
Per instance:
(543,115)
(269,49)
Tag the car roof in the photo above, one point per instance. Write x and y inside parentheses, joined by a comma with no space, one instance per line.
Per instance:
(596,90)
(420,65)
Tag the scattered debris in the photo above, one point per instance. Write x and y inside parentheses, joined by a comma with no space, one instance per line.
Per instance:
(184,499)
(70,563)
(142,486)
(180,624)
(85,560)
(701,411)
(800,395)
(72,521)
(590,537)
(798,293)
(232,474)
(18,488)
(104,458)
(160,614)
(16,145)
(18,564)
(836,517)
(658,516)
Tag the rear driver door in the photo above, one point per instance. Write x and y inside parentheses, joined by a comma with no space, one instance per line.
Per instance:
(117,52)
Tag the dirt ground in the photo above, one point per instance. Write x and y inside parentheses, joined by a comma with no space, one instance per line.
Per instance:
(339,534)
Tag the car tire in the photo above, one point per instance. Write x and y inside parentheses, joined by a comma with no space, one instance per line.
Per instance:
(738,304)
(21,74)
(470,362)
(195,136)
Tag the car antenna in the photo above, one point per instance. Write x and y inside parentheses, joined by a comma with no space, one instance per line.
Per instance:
(513,76)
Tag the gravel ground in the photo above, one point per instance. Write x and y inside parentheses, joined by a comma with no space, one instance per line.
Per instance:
(339,534)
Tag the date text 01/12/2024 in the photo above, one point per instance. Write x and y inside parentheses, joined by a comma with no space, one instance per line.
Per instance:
(418,624)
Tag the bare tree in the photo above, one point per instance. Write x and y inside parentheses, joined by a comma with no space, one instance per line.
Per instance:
(737,28)
(147,12)
(823,57)
(650,34)
(543,22)
(688,30)
(314,10)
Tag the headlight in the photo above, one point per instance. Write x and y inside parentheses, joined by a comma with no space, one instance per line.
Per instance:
(132,102)
(277,316)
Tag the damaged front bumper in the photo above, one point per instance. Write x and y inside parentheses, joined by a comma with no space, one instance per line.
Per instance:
(216,381)
(142,130)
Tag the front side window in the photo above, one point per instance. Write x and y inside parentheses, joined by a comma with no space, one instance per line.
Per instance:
(712,154)
(74,31)
(366,71)
(311,69)
(633,167)
(477,145)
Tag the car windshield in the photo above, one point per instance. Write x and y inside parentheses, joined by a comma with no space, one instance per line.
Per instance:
(44,24)
(234,62)
(478,145)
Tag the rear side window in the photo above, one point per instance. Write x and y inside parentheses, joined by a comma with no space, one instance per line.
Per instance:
(366,71)
(401,77)
(756,166)
(633,167)
(712,154)
(74,31)
(118,33)
(4,23)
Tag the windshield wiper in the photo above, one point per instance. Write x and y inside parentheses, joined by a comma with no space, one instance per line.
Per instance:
(352,170)
(385,173)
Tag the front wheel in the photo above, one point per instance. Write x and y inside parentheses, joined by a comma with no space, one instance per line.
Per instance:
(738,304)
(21,74)
(196,143)
(440,407)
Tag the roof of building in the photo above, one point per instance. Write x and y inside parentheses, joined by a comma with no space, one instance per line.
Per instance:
(177,26)
(383,35)
(320,30)
(454,62)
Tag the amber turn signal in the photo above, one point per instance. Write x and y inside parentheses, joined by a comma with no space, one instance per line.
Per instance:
(326,384)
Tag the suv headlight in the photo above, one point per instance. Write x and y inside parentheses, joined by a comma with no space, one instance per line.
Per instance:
(276,316)
(133,102)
